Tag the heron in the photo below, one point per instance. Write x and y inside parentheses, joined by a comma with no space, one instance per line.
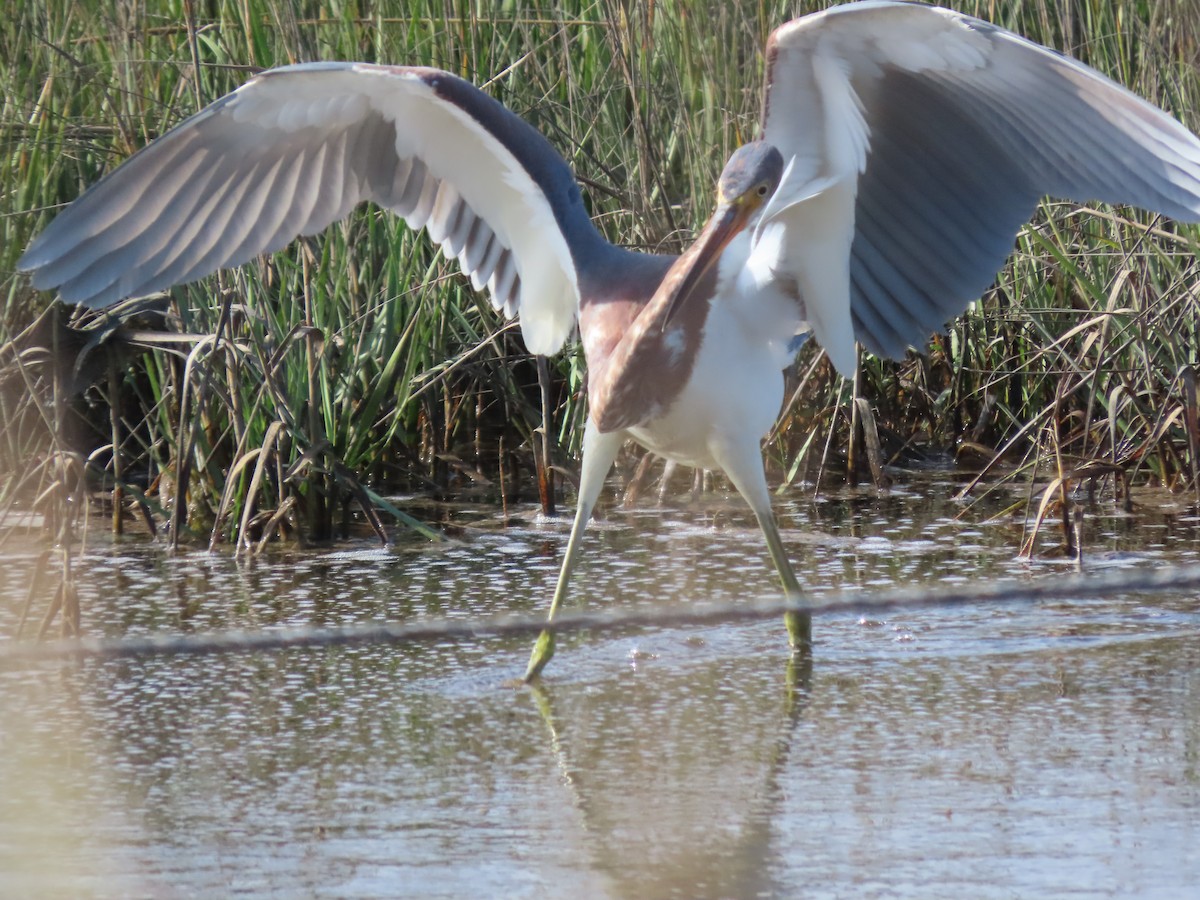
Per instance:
(901,149)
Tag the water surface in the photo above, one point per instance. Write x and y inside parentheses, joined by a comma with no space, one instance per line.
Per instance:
(1000,751)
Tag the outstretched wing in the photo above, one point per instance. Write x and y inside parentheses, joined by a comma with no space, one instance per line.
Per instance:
(297,148)
(919,140)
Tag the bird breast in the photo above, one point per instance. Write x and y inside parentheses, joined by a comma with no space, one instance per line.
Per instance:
(638,367)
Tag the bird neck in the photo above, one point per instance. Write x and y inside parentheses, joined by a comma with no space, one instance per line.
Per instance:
(614,287)
(638,361)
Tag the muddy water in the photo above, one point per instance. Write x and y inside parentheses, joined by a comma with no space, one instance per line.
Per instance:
(1006,751)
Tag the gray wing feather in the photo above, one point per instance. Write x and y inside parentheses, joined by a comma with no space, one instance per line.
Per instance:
(269,162)
(937,209)
(504,285)
(481,274)
(951,130)
(959,160)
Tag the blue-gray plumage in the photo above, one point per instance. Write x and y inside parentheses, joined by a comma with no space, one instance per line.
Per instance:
(902,147)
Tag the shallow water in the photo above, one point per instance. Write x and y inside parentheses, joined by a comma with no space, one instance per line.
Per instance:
(1002,751)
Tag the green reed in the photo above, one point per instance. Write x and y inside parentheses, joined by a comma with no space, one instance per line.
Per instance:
(317,383)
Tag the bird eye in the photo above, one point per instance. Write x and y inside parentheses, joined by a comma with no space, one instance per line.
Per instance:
(762,190)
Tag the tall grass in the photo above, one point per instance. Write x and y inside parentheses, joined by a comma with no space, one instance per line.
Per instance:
(301,388)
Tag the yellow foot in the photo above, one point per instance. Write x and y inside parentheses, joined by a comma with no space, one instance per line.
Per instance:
(799,628)
(543,652)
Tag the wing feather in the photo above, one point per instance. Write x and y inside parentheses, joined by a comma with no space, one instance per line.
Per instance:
(297,148)
(930,136)
(482,274)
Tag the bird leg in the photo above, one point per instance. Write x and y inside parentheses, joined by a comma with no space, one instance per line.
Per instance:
(599,452)
(742,462)
(799,625)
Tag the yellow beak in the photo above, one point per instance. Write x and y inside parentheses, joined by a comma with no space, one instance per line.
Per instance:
(727,222)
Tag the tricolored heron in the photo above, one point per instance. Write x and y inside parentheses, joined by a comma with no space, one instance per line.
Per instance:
(902,147)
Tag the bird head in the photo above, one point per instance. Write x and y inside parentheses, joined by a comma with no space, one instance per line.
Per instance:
(747,182)
(750,176)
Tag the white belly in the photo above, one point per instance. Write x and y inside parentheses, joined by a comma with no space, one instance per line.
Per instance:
(736,387)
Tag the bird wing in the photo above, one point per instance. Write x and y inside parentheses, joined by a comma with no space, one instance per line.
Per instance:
(297,148)
(918,141)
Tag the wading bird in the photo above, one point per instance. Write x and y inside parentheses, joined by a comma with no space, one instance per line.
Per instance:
(901,149)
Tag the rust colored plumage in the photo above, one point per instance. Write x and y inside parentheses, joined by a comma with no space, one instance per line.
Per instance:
(902,147)
(638,375)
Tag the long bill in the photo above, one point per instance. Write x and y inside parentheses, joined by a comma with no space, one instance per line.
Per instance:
(726,223)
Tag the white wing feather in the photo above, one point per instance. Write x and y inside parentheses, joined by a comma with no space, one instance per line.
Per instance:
(918,141)
(295,149)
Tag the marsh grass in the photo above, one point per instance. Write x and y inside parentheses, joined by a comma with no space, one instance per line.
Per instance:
(298,394)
